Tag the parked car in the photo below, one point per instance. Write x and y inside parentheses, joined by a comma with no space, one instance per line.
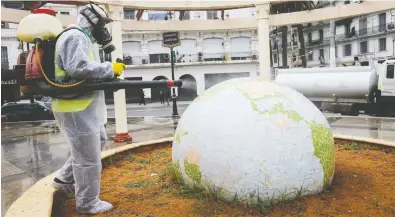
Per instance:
(26,111)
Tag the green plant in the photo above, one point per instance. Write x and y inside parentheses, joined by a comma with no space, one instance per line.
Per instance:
(193,192)
(352,146)
(143,161)
(261,206)
(375,202)
(206,209)
(390,210)
(131,157)
(138,184)
(162,154)
(173,170)
(111,160)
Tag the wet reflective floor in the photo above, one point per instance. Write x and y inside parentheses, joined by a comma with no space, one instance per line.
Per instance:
(33,150)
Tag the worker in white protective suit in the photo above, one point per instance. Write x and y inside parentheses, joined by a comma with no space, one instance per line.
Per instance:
(81,118)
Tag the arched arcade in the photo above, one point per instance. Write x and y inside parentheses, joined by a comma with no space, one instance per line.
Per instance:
(188,92)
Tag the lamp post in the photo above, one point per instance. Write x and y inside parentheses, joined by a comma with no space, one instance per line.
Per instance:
(175,111)
(171,40)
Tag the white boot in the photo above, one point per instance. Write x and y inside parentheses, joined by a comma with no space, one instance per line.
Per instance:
(66,188)
(102,207)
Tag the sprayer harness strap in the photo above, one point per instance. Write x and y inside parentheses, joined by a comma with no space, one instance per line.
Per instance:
(58,71)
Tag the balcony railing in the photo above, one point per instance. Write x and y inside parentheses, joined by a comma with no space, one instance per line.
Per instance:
(5,64)
(367,31)
(321,41)
(192,58)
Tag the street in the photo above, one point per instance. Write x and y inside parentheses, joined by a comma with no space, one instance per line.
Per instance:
(151,109)
(157,110)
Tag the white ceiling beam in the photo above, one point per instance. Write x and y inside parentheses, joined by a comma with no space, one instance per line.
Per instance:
(338,12)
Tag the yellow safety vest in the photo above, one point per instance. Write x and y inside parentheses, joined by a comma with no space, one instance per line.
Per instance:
(70,105)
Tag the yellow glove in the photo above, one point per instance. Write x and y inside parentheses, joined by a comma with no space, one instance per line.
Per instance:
(118,68)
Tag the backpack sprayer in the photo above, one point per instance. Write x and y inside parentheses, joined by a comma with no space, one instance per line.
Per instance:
(38,66)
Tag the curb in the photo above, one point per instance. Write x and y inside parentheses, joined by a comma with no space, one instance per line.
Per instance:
(38,200)
(365,139)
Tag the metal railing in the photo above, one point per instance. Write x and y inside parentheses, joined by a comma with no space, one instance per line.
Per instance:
(5,64)
(191,58)
(320,41)
(367,31)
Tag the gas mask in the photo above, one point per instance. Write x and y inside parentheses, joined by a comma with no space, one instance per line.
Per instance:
(100,32)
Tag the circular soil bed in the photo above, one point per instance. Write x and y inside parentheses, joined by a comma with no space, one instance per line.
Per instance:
(140,183)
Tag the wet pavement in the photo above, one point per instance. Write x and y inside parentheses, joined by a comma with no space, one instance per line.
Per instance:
(371,127)
(150,109)
(33,150)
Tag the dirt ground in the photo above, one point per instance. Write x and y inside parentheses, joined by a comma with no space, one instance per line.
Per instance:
(137,184)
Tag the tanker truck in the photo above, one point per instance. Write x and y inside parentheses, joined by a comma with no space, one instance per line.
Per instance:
(346,90)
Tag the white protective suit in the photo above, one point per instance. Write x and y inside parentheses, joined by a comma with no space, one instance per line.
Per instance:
(84,130)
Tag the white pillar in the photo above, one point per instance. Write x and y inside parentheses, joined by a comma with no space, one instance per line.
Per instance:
(263,35)
(291,63)
(332,43)
(122,135)
(332,48)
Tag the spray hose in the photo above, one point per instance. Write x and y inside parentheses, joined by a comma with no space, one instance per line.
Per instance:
(47,79)
(49,88)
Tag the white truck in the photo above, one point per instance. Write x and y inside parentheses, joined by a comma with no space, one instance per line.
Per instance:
(346,90)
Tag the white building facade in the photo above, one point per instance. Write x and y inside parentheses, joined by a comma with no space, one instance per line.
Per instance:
(206,58)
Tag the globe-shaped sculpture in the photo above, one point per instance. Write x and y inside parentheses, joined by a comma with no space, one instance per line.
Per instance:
(254,141)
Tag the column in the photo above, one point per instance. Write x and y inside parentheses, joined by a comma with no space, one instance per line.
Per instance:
(263,38)
(227,48)
(332,48)
(332,45)
(122,133)
(291,63)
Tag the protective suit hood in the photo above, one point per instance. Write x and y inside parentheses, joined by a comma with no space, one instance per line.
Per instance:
(93,18)
(84,22)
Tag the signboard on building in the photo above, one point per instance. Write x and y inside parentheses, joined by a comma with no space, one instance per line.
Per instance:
(8,82)
(171,39)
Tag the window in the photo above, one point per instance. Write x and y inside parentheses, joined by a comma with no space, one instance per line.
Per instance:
(321,34)
(383,44)
(363,26)
(275,58)
(382,21)
(4,57)
(363,47)
(310,56)
(336,52)
(187,15)
(309,37)
(164,15)
(365,63)
(347,30)
(390,71)
(347,50)
(159,58)
(129,14)
(212,15)
(65,13)
(347,2)
(13,4)
(322,53)
(4,25)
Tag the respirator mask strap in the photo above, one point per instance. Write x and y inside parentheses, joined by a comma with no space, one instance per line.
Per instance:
(100,32)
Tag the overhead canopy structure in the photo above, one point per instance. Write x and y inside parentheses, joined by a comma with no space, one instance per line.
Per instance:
(322,14)
(177,5)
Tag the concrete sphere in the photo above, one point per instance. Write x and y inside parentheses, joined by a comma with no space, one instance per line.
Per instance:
(254,141)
